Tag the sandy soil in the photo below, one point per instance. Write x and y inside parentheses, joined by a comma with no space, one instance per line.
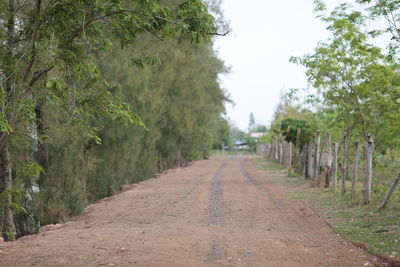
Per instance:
(216,212)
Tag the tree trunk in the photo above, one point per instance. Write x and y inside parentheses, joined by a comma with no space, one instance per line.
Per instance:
(390,192)
(355,172)
(42,155)
(369,149)
(8,230)
(345,163)
(335,166)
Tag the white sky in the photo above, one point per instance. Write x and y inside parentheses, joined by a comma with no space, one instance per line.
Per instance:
(266,33)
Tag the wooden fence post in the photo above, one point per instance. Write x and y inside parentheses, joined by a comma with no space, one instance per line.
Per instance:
(355,171)
(335,166)
(345,163)
(285,150)
(278,148)
(329,160)
(303,161)
(297,154)
(310,160)
(316,157)
(273,150)
(321,151)
(390,191)
(369,149)
(290,157)
(271,147)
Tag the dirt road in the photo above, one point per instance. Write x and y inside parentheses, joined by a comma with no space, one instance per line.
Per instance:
(217,212)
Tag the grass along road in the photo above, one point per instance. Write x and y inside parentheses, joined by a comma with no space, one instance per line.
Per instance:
(376,232)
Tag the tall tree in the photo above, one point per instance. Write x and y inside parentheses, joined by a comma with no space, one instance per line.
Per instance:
(47,50)
(252,123)
(352,75)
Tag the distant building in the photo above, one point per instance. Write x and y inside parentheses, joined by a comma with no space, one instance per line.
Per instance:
(240,145)
(257,135)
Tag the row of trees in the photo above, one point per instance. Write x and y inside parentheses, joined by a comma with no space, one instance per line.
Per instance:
(95,94)
(355,88)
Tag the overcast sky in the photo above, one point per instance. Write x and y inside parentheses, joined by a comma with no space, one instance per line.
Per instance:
(266,33)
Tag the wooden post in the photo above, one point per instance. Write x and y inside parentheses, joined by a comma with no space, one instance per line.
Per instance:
(329,160)
(316,156)
(290,157)
(280,151)
(390,191)
(271,148)
(303,161)
(369,149)
(345,163)
(321,151)
(285,154)
(310,160)
(273,155)
(334,166)
(297,154)
(355,171)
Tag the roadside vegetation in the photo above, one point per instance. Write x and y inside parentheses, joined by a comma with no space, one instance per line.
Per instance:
(95,94)
(341,135)
(375,231)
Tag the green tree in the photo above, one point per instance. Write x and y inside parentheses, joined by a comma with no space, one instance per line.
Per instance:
(47,60)
(252,123)
(289,128)
(352,75)
(389,10)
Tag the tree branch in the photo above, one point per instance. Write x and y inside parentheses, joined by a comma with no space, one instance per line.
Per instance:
(35,35)
(89,22)
(219,34)
(37,75)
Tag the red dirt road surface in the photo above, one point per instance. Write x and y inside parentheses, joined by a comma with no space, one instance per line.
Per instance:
(217,212)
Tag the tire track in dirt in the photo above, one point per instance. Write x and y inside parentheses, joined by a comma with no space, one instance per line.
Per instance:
(278,202)
(217,212)
(216,205)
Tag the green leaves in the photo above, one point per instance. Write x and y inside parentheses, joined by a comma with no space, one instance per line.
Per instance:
(196,21)
(142,62)
(32,169)
(289,128)
(5,126)
(60,107)
(357,82)
(11,193)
